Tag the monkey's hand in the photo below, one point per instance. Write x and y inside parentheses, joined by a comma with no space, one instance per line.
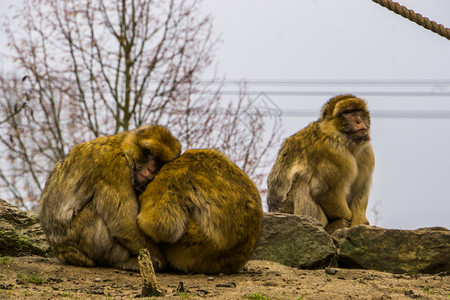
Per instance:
(358,208)
(158,261)
(359,220)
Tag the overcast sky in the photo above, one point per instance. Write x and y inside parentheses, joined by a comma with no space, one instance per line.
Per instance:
(401,69)
(354,40)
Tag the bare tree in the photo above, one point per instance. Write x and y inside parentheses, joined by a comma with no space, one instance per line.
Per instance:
(98,67)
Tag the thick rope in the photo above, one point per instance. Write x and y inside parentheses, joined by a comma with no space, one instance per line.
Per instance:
(415,17)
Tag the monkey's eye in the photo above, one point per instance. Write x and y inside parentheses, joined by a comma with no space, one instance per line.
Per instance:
(348,111)
(152,171)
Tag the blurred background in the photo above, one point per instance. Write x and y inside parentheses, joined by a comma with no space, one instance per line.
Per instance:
(298,54)
(292,56)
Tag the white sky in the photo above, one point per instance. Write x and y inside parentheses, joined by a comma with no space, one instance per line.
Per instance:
(355,40)
(329,40)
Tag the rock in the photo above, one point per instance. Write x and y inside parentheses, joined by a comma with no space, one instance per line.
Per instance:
(20,232)
(292,240)
(228,285)
(295,241)
(331,271)
(425,250)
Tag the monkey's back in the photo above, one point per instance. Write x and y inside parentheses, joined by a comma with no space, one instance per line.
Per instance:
(71,186)
(291,161)
(223,207)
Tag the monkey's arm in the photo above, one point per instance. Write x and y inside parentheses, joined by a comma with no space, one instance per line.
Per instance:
(361,187)
(359,206)
(161,216)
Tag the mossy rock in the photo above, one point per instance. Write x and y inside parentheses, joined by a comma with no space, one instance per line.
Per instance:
(20,232)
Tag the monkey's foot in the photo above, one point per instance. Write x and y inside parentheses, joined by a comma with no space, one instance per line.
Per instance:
(337,224)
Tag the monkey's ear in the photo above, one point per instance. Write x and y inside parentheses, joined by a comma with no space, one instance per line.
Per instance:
(324,113)
(154,138)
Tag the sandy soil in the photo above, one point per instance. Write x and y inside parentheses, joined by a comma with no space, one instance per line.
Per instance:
(47,278)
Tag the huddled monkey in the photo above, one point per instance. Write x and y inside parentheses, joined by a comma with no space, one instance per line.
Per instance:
(325,170)
(203,211)
(89,205)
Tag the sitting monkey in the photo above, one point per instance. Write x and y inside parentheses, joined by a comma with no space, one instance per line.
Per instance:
(203,211)
(325,170)
(89,205)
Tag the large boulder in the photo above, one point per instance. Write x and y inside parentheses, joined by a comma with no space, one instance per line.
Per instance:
(295,241)
(425,250)
(20,232)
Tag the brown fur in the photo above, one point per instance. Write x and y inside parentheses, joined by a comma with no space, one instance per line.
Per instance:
(89,205)
(204,212)
(325,170)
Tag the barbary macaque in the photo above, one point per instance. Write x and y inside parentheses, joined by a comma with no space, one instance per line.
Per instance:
(204,212)
(89,205)
(325,170)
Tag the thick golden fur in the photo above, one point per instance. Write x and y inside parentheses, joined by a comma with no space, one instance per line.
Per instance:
(323,171)
(89,205)
(204,212)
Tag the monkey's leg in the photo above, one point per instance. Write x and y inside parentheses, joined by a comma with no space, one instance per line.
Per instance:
(73,256)
(197,253)
(121,258)
(98,243)
(112,252)
(74,245)
(335,207)
(89,243)
(333,198)
(300,196)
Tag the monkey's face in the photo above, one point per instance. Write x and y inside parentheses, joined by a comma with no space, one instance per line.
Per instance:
(355,125)
(145,173)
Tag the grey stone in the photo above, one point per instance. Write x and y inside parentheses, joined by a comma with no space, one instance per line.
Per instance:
(295,241)
(425,250)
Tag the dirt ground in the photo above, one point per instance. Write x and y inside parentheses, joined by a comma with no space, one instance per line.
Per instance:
(47,278)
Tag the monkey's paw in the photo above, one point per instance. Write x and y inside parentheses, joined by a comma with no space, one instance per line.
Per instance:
(337,224)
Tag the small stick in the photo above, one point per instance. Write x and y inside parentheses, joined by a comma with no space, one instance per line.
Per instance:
(151,287)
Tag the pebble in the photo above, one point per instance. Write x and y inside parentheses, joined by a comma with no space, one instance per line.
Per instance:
(330,271)
(228,285)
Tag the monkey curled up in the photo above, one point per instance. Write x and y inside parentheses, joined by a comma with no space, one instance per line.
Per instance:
(325,170)
(204,212)
(89,205)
